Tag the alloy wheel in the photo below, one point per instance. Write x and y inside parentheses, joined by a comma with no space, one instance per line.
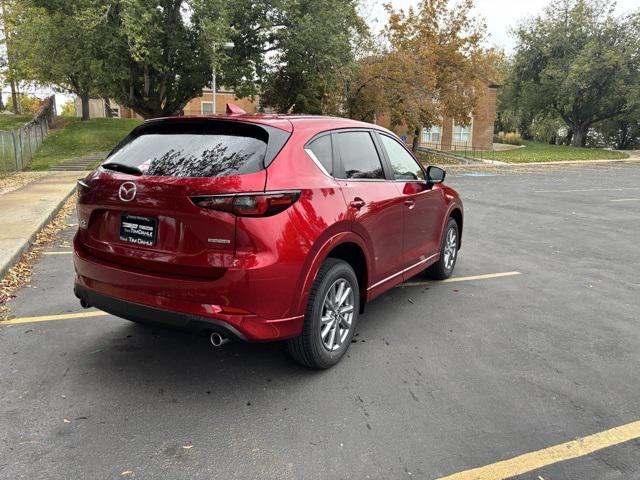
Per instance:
(337,314)
(450,248)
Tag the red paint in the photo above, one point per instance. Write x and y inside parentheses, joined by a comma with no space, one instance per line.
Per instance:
(259,281)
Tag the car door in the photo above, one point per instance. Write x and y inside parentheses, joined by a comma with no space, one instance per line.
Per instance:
(373,204)
(424,206)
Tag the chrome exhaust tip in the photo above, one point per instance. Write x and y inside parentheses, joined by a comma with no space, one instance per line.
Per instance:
(84,304)
(218,340)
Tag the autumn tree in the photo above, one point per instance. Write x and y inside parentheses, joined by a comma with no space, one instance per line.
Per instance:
(577,62)
(432,64)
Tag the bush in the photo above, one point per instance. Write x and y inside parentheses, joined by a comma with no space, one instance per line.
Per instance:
(510,138)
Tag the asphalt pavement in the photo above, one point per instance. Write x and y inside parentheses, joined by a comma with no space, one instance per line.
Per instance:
(444,377)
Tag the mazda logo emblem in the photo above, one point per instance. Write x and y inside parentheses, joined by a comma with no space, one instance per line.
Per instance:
(127,191)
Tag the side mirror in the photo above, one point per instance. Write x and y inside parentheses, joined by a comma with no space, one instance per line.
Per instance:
(435,175)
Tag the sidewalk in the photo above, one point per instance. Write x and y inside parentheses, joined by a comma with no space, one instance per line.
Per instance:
(25,211)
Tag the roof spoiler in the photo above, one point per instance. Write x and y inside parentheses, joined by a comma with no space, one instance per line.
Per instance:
(233,109)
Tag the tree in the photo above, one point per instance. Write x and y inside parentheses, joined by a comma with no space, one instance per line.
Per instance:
(157,54)
(313,55)
(150,55)
(622,133)
(54,43)
(28,104)
(432,65)
(7,62)
(578,62)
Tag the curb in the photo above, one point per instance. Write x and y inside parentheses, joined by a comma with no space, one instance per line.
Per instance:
(27,244)
(567,162)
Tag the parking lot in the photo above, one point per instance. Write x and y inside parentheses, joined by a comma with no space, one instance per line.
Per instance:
(532,344)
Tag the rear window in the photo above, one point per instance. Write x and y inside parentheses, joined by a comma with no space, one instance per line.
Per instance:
(194,149)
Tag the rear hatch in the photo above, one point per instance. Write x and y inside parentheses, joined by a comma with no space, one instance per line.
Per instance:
(138,208)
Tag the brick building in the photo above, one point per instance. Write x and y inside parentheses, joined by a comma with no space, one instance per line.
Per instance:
(448,135)
(202,105)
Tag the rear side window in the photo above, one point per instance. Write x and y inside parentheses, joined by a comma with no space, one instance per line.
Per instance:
(321,150)
(194,149)
(358,155)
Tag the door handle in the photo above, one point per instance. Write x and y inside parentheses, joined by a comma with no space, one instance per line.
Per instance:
(357,203)
(410,203)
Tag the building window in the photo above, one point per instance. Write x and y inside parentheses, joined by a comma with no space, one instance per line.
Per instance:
(207,108)
(432,134)
(461,133)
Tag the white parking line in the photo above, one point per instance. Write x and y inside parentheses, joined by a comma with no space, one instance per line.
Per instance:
(625,200)
(487,276)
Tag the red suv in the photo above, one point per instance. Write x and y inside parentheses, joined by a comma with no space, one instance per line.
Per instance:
(260,227)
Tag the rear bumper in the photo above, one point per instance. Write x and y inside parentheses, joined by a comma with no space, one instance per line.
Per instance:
(145,314)
(151,298)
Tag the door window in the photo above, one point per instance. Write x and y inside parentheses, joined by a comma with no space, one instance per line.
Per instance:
(404,166)
(358,155)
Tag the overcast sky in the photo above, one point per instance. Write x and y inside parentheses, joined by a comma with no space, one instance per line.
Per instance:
(499,15)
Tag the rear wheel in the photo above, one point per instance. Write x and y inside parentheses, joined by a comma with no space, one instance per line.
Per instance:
(330,318)
(443,268)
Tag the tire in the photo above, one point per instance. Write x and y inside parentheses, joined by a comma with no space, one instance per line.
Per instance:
(443,268)
(313,349)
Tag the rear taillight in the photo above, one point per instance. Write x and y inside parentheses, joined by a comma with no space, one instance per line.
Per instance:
(249,205)
(81,189)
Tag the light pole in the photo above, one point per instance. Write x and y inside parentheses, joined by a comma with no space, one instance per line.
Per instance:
(227,46)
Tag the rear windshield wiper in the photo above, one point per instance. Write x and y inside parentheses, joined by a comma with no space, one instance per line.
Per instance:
(121,167)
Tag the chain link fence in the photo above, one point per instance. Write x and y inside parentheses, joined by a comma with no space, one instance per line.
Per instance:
(19,146)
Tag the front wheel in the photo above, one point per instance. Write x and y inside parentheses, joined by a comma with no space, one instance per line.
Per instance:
(330,318)
(443,268)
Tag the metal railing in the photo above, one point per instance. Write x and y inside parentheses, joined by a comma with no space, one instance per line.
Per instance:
(19,146)
(457,149)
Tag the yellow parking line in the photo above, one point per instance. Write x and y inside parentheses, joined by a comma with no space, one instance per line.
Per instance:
(548,456)
(69,252)
(93,313)
(49,318)
(461,279)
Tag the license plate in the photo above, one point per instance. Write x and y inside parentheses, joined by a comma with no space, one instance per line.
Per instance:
(138,230)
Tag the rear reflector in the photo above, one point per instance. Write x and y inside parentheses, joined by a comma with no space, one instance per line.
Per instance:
(249,205)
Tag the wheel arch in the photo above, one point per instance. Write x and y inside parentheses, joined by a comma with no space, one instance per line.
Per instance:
(351,253)
(456,214)
(348,247)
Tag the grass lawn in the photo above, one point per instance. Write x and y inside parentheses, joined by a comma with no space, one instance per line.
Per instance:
(543,152)
(75,138)
(435,159)
(9,121)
